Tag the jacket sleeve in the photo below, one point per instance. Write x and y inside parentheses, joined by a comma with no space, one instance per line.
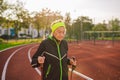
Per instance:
(68,59)
(39,52)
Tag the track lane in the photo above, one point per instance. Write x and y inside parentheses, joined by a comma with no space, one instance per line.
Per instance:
(6,64)
(97,62)
(19,67)
(22,68)
(4,56)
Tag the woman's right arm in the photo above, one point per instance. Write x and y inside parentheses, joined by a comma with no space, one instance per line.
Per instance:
(36,57)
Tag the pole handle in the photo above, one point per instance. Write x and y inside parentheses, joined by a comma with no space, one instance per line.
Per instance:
(73,66)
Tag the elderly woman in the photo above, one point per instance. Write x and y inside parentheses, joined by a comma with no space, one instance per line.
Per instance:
(52,53)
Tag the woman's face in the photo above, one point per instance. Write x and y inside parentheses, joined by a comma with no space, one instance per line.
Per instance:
(59,33)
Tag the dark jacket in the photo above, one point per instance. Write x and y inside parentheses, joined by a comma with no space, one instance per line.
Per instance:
(56,62)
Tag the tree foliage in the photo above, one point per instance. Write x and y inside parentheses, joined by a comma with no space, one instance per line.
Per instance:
(44,18)
(81,24)
(68,25)
(100,27)
(16,16)
(114,24)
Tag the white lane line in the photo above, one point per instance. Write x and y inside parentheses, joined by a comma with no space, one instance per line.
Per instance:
(6,64)
(38,71)
(81,75)
(75,72)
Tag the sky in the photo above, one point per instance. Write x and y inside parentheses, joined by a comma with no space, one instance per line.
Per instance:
(98,10)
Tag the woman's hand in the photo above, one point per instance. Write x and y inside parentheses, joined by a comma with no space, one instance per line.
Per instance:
(41,59)
(73,62)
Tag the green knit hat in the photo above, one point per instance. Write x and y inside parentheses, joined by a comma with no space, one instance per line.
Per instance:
(57,24)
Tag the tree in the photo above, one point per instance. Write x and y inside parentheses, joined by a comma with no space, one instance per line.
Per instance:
(43,19)
(1,1)
(48,17)
(37,22)
(3,7)
(21,17)
(76,28)
(115,24)
(100,27)
(6,20)
(68,26)
(81,24)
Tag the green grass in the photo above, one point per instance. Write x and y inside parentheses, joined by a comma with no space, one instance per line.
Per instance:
(12,43)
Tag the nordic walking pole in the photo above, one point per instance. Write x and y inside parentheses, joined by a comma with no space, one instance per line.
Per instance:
(73,67)
(41,65)
(41,71)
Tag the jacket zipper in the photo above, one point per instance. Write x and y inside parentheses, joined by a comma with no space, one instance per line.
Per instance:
(58,49)
(60,61)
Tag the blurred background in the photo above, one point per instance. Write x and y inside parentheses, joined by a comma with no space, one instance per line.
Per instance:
(28,21)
